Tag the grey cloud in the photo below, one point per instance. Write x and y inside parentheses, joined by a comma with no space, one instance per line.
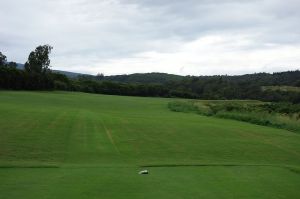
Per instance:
(91,31)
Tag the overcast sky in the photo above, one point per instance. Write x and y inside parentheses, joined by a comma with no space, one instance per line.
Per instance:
(186,37)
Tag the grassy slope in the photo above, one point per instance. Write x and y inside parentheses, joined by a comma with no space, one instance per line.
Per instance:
(96,144)
(281,88)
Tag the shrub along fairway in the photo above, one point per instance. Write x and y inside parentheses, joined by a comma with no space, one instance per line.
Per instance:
(76,145)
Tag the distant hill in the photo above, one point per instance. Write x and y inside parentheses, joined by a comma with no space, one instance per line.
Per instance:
(67,73)
(288,78)
(145,78)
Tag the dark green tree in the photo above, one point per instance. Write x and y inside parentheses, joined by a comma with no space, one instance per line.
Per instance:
(2,59)
(12,64)
(99,76)
(38,60)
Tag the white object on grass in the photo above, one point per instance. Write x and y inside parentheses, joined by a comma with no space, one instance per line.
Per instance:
(144,172)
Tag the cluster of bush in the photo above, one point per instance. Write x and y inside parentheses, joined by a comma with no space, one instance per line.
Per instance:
(279,115)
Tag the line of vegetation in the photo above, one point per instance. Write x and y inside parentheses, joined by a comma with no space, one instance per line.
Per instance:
(38,76)
(279,115)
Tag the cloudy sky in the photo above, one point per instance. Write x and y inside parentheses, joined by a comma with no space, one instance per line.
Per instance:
(186,37)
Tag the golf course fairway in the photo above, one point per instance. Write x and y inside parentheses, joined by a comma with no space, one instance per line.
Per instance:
(59,145)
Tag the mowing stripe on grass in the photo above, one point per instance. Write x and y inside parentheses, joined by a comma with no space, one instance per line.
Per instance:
(108,133)
(291,168)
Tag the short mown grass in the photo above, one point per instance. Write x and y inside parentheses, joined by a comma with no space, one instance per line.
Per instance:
(59,145)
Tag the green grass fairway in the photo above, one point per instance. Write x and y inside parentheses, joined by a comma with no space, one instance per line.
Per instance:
(63,145)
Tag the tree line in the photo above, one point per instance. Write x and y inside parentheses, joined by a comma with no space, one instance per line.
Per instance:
(37,75)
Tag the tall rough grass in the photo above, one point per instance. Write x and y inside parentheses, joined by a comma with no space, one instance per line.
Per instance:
(255,113)
(185,107)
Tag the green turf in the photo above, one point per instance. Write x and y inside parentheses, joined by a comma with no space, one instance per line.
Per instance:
(76,145)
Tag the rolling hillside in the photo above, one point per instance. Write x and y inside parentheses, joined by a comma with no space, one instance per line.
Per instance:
(145,78)
(76,145)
